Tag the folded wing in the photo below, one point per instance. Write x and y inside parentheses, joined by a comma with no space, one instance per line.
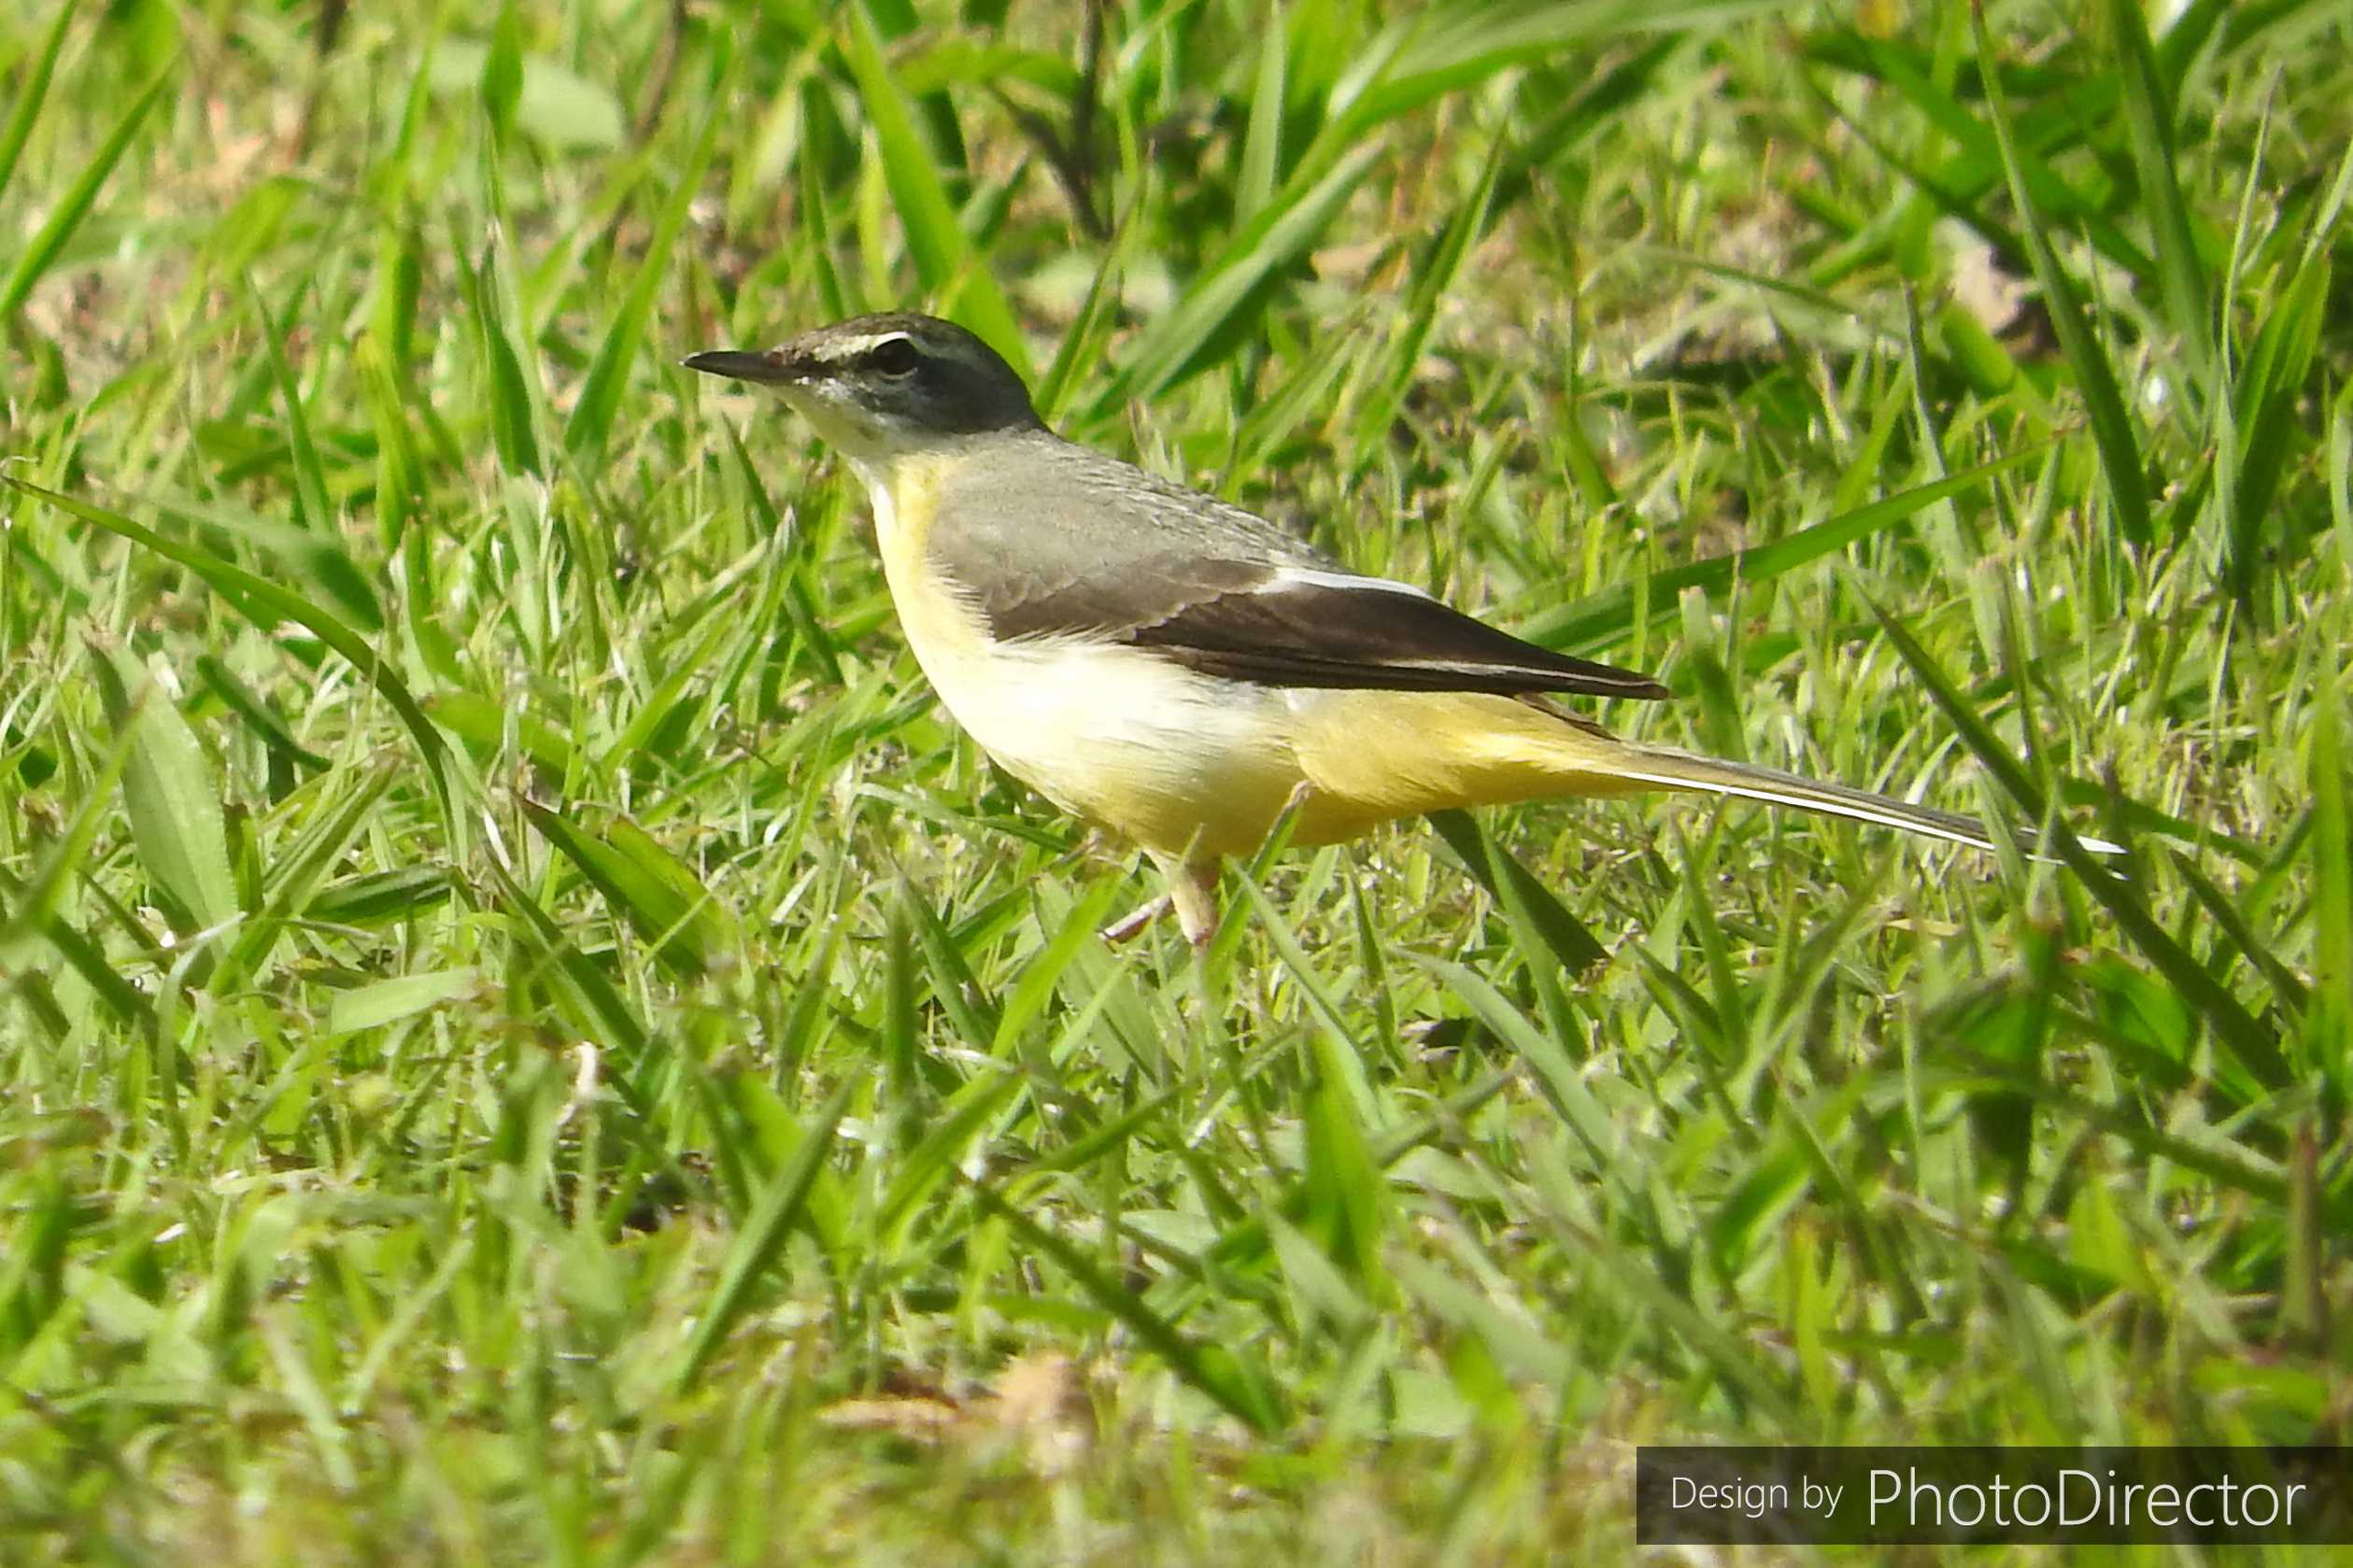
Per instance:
(1134,558)
(1321,628)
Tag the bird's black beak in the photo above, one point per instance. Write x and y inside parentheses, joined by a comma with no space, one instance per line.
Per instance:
(742,366)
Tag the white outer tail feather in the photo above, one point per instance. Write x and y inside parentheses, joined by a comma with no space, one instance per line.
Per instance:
(1676,769)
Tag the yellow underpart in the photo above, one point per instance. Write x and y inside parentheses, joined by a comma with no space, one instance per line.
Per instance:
(1190,766)
(933,612)
(1371,755)
(1217,786)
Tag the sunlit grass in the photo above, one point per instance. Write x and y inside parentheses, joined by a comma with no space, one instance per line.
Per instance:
(529,1036)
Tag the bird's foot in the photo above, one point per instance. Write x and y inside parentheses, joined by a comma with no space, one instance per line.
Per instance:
(1128,927)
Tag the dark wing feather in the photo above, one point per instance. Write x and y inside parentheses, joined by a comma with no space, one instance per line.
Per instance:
(1126,556)
(1022,599)
(1318,632)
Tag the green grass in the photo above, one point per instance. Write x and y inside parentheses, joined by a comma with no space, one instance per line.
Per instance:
(528,1038)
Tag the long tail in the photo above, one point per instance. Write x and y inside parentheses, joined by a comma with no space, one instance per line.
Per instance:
(1669,768)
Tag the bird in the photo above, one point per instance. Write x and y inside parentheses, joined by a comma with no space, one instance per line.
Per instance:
(1183,672)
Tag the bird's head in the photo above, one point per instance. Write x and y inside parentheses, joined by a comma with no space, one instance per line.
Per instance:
(881,388)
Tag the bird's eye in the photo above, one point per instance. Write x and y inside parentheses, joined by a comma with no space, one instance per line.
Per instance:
(894,357)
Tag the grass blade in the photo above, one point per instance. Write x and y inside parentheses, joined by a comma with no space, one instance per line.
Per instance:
(1520,892)
(1599,618)
(312,509)
(799,603)
(2268,392)
(171,796)
(75,204)
(692,931)
(591,422)
(2149,113)
(267,726)
(959,994)
(487,726)
(1446,50)
(84,957)
(1262,141)
(316,556)
(379,897)
(1219,1373)
(30,94)
(754,1251)
(2328,1018)
(298,871)
(2234,1026)
(2287,991)
(1437,269)
(944,259)
(600,1010)
(246,592)
(514,406)
(1225,302)
(2103,404)
(1958,187)
(1547,1058)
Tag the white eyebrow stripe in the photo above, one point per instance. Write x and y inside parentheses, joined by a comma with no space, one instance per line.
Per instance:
(851,347)
(1350,582)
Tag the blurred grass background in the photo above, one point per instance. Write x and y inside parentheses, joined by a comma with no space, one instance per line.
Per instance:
(528,1038)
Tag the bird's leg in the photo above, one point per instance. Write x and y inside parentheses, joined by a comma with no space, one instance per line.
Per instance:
(1128,925)
(1192,892)
(1193,883)
(1301,793)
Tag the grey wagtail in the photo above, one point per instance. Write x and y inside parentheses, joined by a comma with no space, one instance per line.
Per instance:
(1180,671)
